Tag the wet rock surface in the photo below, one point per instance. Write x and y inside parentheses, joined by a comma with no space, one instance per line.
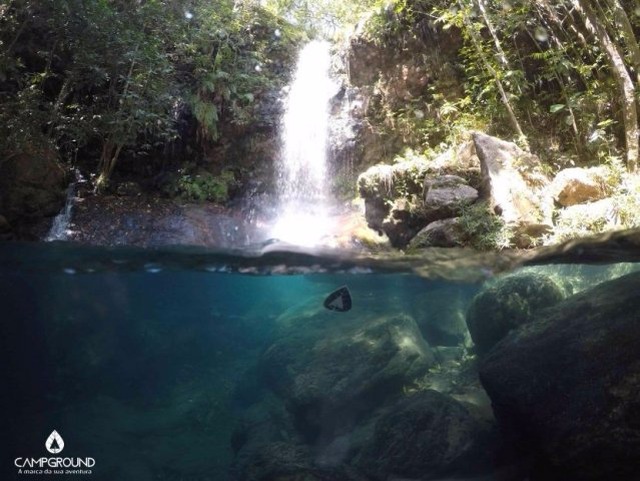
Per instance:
(425,436)
(330,377)
(564,386)
(141,220)
(362,396)
(508,304)
(440,314)
(32,186)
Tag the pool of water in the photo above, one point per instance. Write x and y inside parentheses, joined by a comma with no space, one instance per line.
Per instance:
(171,367)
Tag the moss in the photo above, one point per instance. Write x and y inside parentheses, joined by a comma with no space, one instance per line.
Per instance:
(483,229)
(203,187)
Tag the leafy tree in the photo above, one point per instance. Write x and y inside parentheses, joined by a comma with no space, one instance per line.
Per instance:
(112,74)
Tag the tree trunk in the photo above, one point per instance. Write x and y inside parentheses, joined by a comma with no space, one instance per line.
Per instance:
(503,94)
(487,21)
(629,37)
(623,79)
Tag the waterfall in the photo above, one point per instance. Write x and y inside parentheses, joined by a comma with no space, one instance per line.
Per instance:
(60,228)
(303,206)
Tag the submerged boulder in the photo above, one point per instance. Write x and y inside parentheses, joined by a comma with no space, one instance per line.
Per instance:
(514,185)
(425,436)
(565,386)
(440,313)
(507,304)
(330,376)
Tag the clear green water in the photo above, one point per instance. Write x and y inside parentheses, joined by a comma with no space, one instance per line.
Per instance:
(151,367)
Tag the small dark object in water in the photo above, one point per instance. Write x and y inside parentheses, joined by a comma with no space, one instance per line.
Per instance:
(339,300)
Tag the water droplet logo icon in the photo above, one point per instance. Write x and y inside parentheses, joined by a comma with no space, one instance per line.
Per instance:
(54,443)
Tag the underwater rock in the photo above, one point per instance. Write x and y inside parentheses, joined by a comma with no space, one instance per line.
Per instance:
(332,375)
(565,386)
(440,314)
(441,233)
(426,436)
(445,195)
(578,185)
(514,184)
(507,304)
(264,443)
(279,461)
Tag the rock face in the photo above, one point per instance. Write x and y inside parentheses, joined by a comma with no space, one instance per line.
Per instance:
(331,377)
(577,186)
(388,77)
(392,199)
(403,198)
(513,184)
(32,186)
(425,436)
(507,304)
(565,386)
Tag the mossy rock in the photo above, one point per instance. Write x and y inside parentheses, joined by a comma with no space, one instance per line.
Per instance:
(507,304)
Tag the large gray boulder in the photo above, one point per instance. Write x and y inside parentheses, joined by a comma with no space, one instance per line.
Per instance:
(426,436)
(514,185)
(332,375)
(565,386)
(507,304)
(446,195)
(440,233)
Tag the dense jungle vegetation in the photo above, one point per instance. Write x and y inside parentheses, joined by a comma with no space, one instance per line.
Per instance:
(96,81)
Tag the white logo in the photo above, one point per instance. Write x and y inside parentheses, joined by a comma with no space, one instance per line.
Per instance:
(54,443)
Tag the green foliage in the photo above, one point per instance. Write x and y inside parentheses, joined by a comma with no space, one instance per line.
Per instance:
(323,18)
(484,229)
(539,58)
(112,75)
(203,187)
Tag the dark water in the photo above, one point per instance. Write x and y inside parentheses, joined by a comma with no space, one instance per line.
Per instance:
(156,367)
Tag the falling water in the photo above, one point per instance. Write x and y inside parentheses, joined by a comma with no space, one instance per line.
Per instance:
(60,227)
(303,207)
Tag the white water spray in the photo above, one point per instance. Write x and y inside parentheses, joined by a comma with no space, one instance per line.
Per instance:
(60,227)
(303,207)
